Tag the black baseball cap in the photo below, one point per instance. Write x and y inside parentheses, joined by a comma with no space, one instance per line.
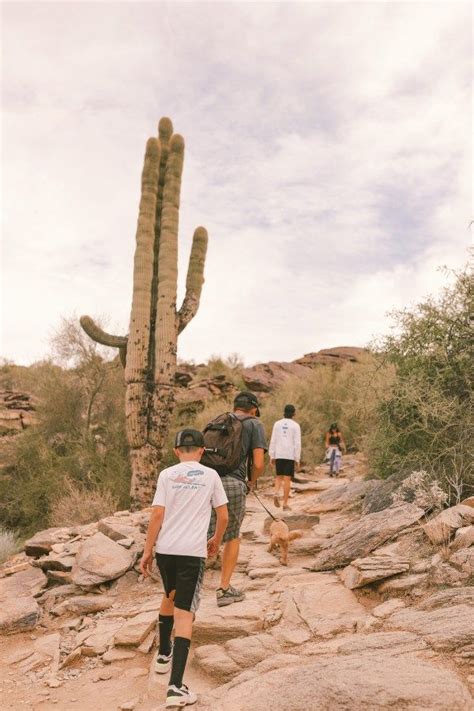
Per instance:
(189,438)
(247,399)
(289,410)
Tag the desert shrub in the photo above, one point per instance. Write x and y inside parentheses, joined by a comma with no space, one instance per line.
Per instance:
(9,544)
(425,422)
(80,436)
(77,504)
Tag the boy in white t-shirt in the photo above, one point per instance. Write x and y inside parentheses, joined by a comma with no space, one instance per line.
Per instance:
(184,498)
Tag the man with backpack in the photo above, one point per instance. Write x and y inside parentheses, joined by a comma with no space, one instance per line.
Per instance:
(235,446)
(285,453)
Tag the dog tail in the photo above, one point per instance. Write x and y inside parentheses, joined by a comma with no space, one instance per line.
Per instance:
(295,534)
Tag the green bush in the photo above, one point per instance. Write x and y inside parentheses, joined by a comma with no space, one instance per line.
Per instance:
(426,422)
(80,437)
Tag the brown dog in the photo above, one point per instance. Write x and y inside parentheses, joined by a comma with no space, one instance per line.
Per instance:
(280,535)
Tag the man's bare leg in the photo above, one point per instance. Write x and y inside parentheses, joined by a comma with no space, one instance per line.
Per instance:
(286,490)
(230,556)
(276,496)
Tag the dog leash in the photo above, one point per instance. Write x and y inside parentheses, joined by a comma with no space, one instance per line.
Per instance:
(263,505)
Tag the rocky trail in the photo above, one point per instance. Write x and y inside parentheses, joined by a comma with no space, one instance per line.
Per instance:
(373,611)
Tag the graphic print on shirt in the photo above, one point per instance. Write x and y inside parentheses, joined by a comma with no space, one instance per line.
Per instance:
(187,480)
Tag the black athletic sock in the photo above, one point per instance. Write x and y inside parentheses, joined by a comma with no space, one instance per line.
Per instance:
(165,627)
(180,657)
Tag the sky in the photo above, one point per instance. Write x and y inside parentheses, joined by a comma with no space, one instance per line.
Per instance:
(328,153)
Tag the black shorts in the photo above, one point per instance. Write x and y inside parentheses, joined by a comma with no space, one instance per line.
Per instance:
(285,467)
(183,573)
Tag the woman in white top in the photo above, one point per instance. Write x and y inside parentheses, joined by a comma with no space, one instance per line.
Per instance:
(285,453)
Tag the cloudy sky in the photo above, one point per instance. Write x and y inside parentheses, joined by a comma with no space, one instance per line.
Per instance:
(328,152)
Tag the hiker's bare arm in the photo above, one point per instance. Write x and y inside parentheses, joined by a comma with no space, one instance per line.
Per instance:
(156,520)
(343,444)
(258,464)
(222,518)
(327,439)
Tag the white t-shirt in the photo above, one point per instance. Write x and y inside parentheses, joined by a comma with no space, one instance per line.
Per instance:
(188,491)
(286,440)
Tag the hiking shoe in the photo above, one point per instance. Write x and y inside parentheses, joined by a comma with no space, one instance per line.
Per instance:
(227,597)
(163,662)
(178,697)
(286,508)
(276,501)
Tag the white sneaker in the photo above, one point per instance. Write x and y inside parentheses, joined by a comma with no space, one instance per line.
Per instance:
(163,662)
(176,698)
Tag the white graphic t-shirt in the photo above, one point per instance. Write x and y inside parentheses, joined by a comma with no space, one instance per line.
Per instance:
(286,440)
(188,491)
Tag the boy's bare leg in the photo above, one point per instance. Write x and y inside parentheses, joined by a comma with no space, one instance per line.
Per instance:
(230,556)
(276,499)
(183,623)
(286,489)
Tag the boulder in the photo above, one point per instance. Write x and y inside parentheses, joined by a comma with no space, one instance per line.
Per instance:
(388,607)
(357,682)
(84,604)
(463,559)
(19,611)
(214,660)
(317,606)
(442,527)
(225,662)
(55,561)
(218,624)
(364,571)
(117,655)
(265,377)
(94,641)
(463,538)
(342,496)
(248,651)
(445,629)
(332,356)
(42,542)
(116,529)
(446,598)
(380,496)
(134,631)
(403,583)
(100,559)
(362,537)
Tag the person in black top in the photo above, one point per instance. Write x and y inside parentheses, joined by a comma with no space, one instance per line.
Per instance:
(334,446)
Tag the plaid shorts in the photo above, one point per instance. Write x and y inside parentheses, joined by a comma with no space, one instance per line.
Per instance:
(236,491)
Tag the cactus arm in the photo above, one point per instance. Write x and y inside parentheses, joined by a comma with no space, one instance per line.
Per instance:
(123,355)
(194,279)
(139,335)
(99,336)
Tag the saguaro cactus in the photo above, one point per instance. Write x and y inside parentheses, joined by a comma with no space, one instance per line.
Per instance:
(148,353)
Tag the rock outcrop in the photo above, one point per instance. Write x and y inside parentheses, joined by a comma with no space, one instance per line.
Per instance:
(357,682)
(364,536)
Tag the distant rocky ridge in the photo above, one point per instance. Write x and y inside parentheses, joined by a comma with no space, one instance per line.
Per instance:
(263,378)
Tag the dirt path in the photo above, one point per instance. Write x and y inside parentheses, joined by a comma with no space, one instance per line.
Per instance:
(292,618)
